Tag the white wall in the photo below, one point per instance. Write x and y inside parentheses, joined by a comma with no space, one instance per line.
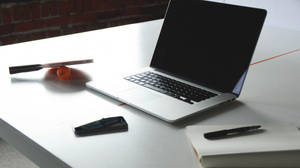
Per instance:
(282,13)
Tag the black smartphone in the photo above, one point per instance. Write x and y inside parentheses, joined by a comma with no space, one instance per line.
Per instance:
(105,125)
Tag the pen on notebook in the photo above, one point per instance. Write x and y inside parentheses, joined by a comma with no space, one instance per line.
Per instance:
(226,132)
(35,67)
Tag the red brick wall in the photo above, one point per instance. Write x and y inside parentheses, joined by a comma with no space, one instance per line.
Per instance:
(25,20)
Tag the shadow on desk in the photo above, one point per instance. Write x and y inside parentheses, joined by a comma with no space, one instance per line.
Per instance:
(214,112)
(51,81)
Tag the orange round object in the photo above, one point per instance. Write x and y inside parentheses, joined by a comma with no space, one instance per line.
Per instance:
(63,73)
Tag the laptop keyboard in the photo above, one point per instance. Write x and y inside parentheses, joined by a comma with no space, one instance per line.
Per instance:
(171,87)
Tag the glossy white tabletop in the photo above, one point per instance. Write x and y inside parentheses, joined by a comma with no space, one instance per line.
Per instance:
(37,115)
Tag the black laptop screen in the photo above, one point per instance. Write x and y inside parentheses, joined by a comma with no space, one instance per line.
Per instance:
(208,43)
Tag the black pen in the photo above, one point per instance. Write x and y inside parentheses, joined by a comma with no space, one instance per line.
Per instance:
(226,132)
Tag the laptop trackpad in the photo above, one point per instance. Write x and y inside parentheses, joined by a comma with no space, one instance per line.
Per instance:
(139,95)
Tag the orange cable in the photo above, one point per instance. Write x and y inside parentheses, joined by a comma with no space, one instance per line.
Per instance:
(290,52)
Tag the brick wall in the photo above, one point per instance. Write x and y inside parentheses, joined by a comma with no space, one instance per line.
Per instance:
(25,20)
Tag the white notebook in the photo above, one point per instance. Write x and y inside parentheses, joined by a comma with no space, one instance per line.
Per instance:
(276,146)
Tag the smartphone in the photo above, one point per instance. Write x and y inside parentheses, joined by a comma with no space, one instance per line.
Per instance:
(105,125)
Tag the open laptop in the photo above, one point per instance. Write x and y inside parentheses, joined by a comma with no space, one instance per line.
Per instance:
(200,60)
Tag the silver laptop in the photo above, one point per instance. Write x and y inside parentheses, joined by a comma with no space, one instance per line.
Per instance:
(200,60)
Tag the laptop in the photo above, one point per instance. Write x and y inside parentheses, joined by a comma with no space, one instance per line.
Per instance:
(200,60)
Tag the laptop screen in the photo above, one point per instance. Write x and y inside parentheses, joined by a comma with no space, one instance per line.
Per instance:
(208,43)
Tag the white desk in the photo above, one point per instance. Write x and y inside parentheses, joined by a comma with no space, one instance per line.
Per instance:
(37,115)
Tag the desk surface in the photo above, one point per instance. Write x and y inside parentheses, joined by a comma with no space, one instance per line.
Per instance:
(38,115)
